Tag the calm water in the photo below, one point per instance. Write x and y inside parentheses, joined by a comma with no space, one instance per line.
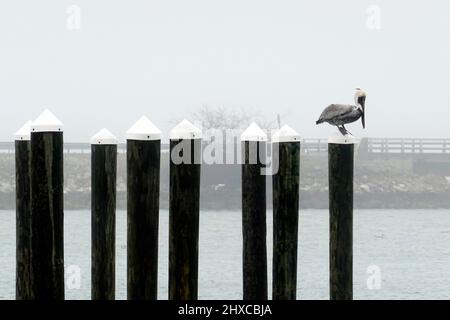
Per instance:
(410,247)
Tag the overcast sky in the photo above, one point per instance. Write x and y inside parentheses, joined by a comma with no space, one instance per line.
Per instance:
(166,59)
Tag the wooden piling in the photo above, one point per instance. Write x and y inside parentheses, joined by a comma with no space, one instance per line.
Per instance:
(340,174)
(285,181)
(184,202)
(47,208)
(103,219)
(143,174)
(23,213)
(254,214)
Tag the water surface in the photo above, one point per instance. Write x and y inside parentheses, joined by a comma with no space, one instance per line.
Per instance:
(410,248)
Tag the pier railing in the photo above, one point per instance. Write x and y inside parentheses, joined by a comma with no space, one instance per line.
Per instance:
(387,146)
(394,145)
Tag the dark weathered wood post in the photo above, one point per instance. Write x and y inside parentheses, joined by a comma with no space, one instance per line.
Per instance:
(143,172)
(185,166)
(285,181)
(103,184)
(340,175)
(254,213)
(47,208)
(23,213)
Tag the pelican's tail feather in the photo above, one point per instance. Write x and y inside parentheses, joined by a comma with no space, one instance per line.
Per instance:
(319,121)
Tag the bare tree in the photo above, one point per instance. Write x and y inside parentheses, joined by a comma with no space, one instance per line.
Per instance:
(222,118)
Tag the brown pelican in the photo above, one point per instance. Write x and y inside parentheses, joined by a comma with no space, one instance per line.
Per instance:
(341,114)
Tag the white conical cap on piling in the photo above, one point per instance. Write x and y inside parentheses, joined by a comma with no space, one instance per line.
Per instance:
(104,137)
(46,122)
(24,133)
(143,129)
(286,134)
(338,138)
(185,130)
(253,133)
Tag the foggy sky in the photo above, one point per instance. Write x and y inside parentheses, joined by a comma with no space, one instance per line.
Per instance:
(166,59)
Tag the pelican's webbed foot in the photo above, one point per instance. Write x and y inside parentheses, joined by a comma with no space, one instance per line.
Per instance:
(348,132)
(343,130)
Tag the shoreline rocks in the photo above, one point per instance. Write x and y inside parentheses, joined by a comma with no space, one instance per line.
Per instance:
(379,183)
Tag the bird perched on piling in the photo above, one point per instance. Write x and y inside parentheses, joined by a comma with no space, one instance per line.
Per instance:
(341,114)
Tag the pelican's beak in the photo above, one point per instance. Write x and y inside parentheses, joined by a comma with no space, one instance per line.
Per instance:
(363,105)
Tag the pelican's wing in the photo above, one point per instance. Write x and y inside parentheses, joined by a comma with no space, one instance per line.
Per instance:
(334,111)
